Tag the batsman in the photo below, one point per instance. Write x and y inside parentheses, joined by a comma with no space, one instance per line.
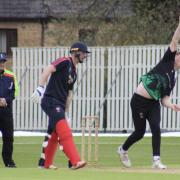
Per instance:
(55,100)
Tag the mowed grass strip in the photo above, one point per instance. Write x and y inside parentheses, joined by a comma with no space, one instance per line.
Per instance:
(27,151)
(82,174)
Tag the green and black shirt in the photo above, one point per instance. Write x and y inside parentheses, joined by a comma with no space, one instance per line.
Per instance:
(160,81)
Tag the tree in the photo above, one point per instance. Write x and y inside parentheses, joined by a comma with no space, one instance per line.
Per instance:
(114,22)
(159,19)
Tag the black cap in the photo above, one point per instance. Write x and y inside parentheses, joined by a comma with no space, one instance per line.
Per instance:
(3,57)
(79,46)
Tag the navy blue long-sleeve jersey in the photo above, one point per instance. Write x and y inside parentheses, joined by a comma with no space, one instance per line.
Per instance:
(8,86)
(61,80)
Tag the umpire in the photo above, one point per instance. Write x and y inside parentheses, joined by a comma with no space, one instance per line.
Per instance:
(8,91)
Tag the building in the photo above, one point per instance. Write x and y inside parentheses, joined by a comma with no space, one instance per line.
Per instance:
(35,23)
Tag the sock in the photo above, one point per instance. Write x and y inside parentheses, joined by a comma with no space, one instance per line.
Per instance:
(66,140)
(50,150)
(122,150)
(155,158)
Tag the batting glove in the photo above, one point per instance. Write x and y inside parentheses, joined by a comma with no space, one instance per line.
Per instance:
(38,94)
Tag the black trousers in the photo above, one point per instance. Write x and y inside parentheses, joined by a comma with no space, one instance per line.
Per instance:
(7,130)
(145,109)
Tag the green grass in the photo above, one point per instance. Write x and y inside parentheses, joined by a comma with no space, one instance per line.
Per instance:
(28,149)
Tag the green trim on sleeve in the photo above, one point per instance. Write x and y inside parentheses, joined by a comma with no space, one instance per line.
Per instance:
(15,81)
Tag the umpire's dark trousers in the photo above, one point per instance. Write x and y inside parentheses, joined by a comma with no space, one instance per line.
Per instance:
(145,109)
(6,128)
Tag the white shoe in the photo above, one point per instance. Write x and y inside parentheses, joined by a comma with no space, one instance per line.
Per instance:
(158,165)
(79,164)
(52,167)
(124,157)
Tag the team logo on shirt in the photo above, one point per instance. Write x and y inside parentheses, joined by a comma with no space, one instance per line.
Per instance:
(11,85)
(58,109)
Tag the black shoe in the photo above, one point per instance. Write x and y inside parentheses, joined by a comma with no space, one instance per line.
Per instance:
(69,164)
(10,165)
(41,162)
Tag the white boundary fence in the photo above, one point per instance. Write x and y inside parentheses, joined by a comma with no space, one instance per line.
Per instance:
(104,86)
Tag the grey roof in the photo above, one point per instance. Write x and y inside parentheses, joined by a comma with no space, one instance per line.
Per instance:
(63,8)
(89,8)
(22,9)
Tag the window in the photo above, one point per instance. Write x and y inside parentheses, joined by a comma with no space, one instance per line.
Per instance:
(88,36)
(8,39)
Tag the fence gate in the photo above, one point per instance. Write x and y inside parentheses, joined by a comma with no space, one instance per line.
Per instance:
(28,64)
(104,86)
